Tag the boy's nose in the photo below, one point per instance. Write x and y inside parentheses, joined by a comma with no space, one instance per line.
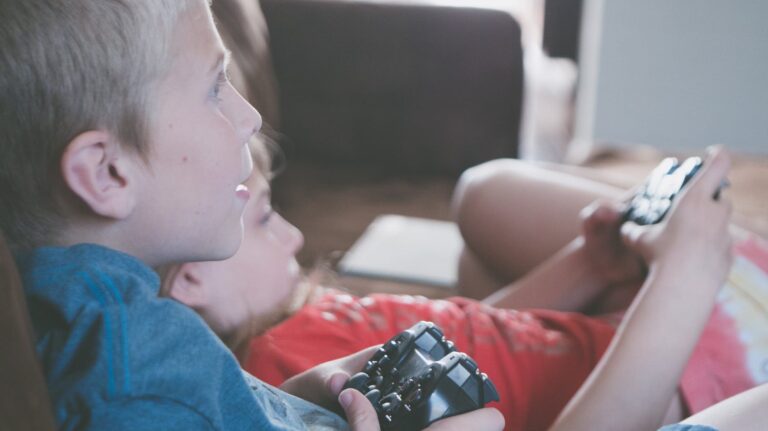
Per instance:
(249,120)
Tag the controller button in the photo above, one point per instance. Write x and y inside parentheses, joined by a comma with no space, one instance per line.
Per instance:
(390,403)
(459,374)
(373,396)
(369,366)
(385,361)
(426,342)
(358,381)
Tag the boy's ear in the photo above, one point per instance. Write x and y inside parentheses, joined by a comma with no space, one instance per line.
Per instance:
(96,169)
(186,286)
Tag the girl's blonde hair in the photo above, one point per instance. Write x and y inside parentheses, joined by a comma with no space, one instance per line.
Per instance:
(68,66)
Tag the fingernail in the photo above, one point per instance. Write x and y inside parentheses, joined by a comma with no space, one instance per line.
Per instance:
(345,399)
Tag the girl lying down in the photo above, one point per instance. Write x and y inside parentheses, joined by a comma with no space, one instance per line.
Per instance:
(597,335)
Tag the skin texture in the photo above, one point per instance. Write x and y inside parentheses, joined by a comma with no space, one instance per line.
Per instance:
(743,412)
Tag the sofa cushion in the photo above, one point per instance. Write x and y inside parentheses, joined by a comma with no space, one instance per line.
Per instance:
(404,85)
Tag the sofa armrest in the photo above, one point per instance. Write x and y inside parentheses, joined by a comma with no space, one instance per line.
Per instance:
(407,86)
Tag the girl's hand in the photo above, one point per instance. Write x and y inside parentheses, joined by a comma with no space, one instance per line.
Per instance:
(612,262)
(362,416)
(693,239)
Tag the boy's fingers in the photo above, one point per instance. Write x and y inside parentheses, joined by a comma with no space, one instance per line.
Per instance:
(483,419)
(713,172)
(359,411)
(336,382)
(345,367)
(356,361)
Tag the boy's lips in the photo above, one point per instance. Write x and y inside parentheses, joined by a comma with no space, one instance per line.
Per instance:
(242,192)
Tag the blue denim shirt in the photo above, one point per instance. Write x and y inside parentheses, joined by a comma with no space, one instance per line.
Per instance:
(115,356)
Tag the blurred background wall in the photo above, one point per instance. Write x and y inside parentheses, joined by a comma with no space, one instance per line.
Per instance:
(678,75)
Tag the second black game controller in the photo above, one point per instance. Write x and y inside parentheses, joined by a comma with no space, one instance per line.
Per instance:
(418,377)
(653,201)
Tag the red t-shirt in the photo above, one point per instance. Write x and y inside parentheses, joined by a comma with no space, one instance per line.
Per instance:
(537,359)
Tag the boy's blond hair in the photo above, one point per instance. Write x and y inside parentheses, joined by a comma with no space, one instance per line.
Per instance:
(66,67)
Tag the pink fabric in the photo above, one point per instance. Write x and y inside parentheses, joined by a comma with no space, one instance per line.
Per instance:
(732,353)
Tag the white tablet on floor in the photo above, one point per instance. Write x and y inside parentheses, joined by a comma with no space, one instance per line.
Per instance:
(407,249)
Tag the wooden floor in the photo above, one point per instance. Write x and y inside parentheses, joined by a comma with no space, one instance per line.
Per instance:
(333,206)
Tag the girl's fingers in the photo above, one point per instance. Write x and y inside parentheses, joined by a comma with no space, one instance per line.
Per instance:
(712,174)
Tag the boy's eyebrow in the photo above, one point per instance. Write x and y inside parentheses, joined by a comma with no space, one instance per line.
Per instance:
(222,60)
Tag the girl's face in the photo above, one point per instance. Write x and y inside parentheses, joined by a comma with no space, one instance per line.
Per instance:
(249,290)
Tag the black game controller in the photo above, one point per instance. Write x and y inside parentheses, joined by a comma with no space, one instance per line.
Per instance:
(652,202)
(418,377)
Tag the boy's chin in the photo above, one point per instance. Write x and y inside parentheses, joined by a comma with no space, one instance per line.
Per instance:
(223,250)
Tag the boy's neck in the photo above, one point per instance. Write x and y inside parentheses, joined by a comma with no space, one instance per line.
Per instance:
(112,234)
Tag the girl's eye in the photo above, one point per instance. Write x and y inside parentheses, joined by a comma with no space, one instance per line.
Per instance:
(268,213)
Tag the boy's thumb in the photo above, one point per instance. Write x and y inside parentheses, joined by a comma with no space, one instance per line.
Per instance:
(359,411)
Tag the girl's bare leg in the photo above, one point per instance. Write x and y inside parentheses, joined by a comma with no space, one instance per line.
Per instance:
(513,215)
(743,412)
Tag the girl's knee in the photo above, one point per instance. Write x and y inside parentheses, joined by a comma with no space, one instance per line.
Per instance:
(482,181)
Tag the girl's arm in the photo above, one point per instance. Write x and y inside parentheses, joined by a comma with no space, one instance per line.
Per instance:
(688,256)
(519,221)
(564,282)
(571,279)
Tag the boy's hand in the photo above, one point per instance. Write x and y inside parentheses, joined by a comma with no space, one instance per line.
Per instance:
(362,416)
(693,239)
(323,383)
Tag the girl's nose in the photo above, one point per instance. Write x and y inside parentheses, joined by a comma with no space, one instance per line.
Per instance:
(288,235)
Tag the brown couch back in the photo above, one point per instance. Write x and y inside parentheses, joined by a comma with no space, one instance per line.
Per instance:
(414,88)
(24,402)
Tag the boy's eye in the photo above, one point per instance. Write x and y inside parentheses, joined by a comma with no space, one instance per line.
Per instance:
(221,80)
